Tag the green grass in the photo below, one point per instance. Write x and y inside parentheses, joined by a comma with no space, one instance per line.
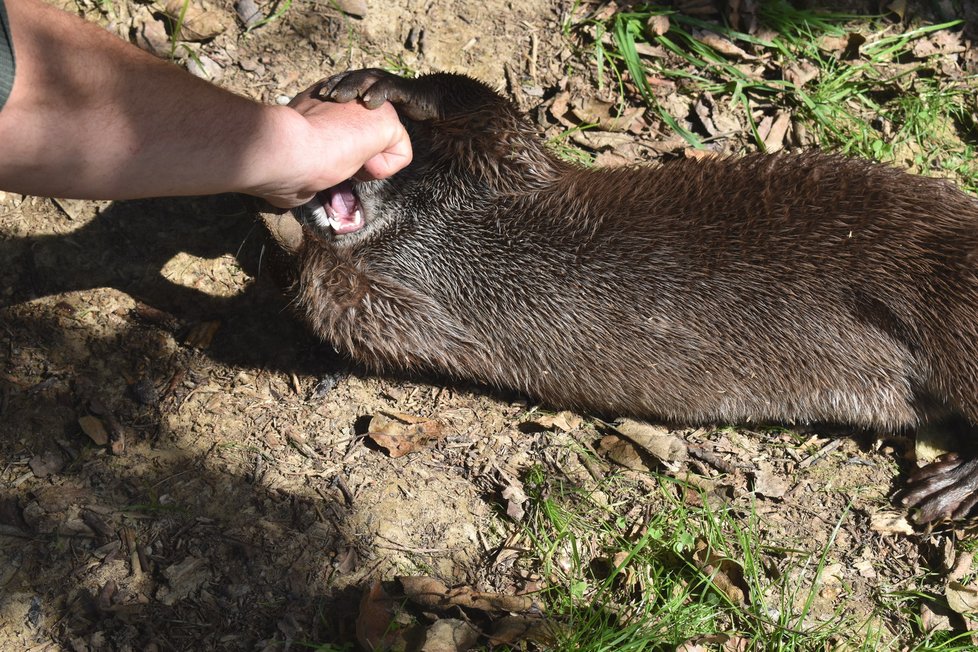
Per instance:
(881,103)
(625,579)
(562,146)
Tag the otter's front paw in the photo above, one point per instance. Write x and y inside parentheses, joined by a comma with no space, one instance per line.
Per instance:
(946,489)
(374,87)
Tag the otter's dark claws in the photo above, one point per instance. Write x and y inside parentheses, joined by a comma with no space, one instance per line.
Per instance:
(373,87)
(946,489)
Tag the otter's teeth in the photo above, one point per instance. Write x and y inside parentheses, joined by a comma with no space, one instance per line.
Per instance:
(346,224)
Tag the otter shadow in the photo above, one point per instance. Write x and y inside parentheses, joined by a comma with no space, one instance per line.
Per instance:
(231,556)
(127,246)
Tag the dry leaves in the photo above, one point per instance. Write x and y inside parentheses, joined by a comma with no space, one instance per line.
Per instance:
(725,574)
(431,593)
(46,464)
(890,522)
(93,427)
(374,628)
(201,334)
(657,440)
(386,621)
(962,597)
(399,433)
(196,21)
(564,421)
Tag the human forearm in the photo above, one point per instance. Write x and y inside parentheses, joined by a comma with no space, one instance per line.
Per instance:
(91,116)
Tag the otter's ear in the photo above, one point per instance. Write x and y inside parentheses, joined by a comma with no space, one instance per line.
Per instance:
(285,230)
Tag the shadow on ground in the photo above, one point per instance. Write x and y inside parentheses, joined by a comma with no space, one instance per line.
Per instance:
(176,539)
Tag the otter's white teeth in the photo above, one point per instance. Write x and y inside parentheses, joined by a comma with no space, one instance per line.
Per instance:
(347,223)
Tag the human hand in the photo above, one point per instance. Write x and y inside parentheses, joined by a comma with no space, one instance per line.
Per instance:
(329,143)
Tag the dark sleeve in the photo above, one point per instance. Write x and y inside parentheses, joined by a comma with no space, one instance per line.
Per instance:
(6,57)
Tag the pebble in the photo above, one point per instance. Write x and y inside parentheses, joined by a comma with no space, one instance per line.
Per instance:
(283,100)
(248,13)
(204,67)
(356,8)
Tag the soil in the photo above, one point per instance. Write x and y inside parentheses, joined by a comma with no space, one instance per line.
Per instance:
(232,500)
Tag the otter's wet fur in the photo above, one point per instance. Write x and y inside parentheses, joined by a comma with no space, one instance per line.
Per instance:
(790,288)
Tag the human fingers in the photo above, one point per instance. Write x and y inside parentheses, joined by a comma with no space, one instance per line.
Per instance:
(396,156)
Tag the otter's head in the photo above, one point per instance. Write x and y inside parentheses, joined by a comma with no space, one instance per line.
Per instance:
(355,212)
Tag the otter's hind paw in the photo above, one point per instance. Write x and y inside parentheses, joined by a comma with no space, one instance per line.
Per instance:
(946,489)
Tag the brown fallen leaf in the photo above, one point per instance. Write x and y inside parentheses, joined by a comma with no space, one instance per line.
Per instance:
(512,629)
(375,630)
(943,42)
(564,421)
(962,598)
(93,427)
(844,47)
(769,483)
(150,34)
(604,115)
(899,7)
(723,45)
(703,643)
(560,108)
(962,566)
(624,453)
(598,140)
(774,136)
(195,20)
(726,575)
(400,434)
(202,334)
(890,522)
(657,25)
(46,464)
(449,635)
(693,153)
(657,440)
(433,594)
(515,496)
(800,73)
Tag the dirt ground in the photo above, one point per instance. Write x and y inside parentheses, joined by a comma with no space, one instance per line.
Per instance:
(232,501)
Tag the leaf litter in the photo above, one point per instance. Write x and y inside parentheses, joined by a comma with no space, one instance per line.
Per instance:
(236,512)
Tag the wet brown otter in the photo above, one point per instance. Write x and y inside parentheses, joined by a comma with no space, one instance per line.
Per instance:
(804,288)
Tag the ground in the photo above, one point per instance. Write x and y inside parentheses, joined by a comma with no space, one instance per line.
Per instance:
(183,466)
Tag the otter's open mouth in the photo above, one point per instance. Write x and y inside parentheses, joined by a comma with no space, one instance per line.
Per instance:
(337,209)
(343,211)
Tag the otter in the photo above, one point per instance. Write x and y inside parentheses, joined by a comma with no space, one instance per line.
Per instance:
(793,288)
